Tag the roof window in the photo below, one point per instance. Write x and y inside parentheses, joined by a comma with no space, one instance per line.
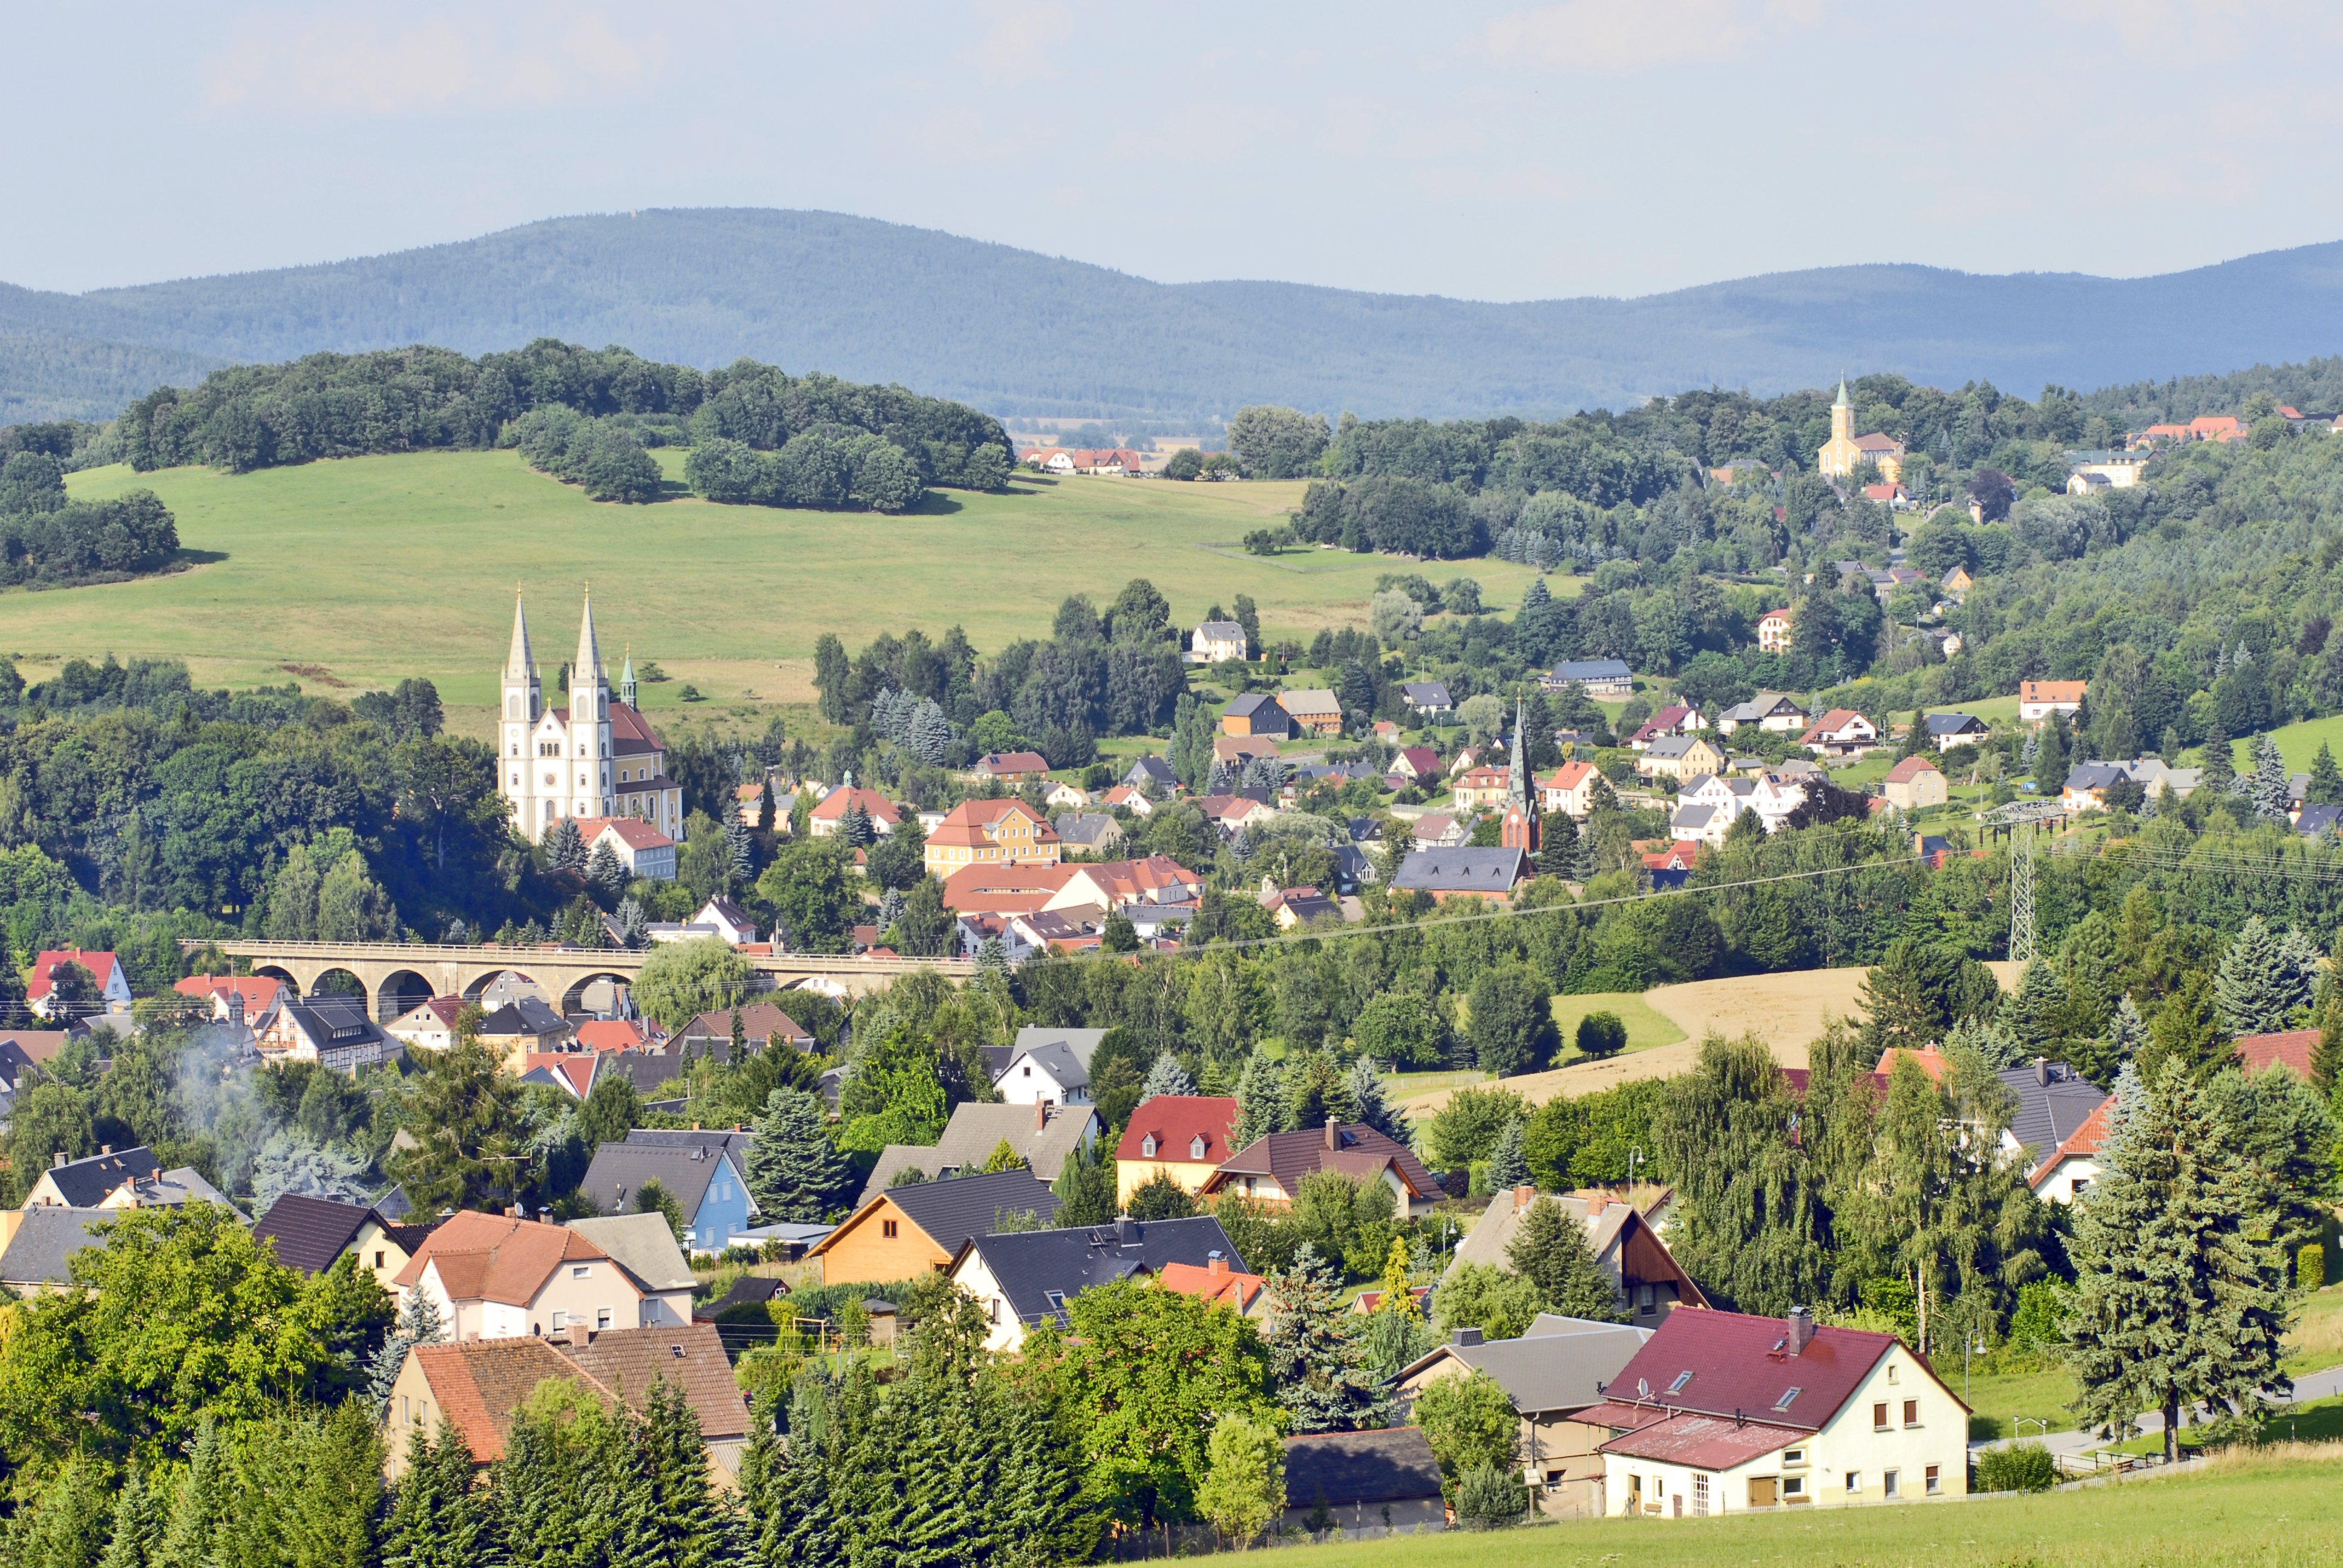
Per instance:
(1787,1395)
(1678,1386)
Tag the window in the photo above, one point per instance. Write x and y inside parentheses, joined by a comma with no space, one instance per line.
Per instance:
(1793,1488)
(1888,1479)
(581,1271)
(377,1259)
(602,1317)
(405,1413)
(1029,1073)
(1792,1458)
(1931,1482)
(1645,1299)
(1196,1147)
(561,1321)
(1678,1386)
(1891,1371)
(1879,1418)
(1788,1394)
(1057,1300)
(1700,1496)
(886,1228)
(1854,1482)
(1911,1412)
(1147,1146)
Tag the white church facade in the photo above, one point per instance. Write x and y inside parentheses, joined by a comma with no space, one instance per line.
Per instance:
(592,760)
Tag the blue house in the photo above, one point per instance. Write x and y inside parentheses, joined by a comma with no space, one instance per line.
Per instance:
(704,1176)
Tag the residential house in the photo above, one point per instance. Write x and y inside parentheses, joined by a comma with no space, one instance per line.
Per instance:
(762,1024)
(523,1027)
(112,981)
(1012,766)
(1440,831)
(1233,812)
(2038,700)
(1946,730)
(1915,784)
(1601,678)
(499,1276)
(1775,629)
(1113,461)
(1182,1136)
(1044,1136)
(1123,796)
(1767,710)
(1681,757)
(233,999)
(2051,1102)
(1256,713)
(1272,1169)
(1149,774)
(1236,750)
(479,1386)
(905,1232)
(1219,1284)
(641,848)
(427,1025)
(1004,890)
(1674,720)
(37,1260)
(332,1031)
(1384,731)
(1065,797)
(1487,874)
(1293,907)
(1216,642)
(1091,832)
(706,1183)
(87,1183)
(1429,698)
(1557,1367)
(1721,1412)
(1048,459)
(1047,1072)
(1119,884)
(571,1071)
(644,1245)
(1386,1477)
(1003,832)
(2290,1049)
(1841,732)
(829,818)
(1481,786)
(1958,581)
(732,923)
(1416,764)
(1700,822)
(1569,787)
(2067,1170)
(1644,1277)
(1886,496)
(1315,710)
(1025,1278)
(311,1233)
(1772,799)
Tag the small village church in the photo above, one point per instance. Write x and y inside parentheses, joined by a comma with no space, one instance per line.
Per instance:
(593,759)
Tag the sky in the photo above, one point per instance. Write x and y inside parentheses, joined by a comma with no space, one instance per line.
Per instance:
(1479,151)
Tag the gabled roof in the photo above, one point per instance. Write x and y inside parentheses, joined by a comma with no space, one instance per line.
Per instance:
(2087,1139)
(2049,1112)
(1247,704)
(41,1250)
(1433,693)
(83,1182)
(1558,1363)
(949,1212)
(1740,1367)
(1711,1443)
(762,1023)
(632,831)
(975,1131)
(1312,700)
(309,1234)
(257,990)
(612,1034)
(1355,1151)
(524,1015)
(495,1257)
(1057,1059)
(620,1170)
(1911,767)
(1012,762)
(1230,1285)
(2289,1048)
(1953,723)
(1037,1271)
(627,1362)
(1219,630)
(1082,1041)
(1461,871)
(1590,670)
(2051,690)
(479,1384)
(100,965)
(1393,1464)
(834,805)
(1668,747)
(1175,1122)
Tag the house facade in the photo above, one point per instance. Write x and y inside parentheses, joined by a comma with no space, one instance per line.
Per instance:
(1256,713)
(1182,1136)
(2038,700)
(1913,785)
(1773,630)
(704,1181)
(1216,642)
(1681,757)
(1315,710)
(499,1276)
(1601,678)
(1841,732)
(906,1231)
(1004,832)
(113,982)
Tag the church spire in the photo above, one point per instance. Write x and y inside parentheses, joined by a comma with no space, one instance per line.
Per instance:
(1517,783)
(589,665)
(1841,401)
(627,677)
(518,664)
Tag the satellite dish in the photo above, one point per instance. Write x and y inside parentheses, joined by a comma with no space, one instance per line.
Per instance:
(1643,1389)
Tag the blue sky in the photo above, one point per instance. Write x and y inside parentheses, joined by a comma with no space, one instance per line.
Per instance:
(1489,152)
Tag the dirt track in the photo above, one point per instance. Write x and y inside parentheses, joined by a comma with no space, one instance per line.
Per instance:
(1788,1011)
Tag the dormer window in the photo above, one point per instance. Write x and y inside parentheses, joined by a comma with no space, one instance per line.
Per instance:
(1147,1146)
(1196,1147)
(1788,1394)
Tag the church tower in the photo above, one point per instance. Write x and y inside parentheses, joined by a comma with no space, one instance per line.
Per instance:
(1839,455)
(1843,415)
(627,678)
(1520,828)
(524,696)
(590,723)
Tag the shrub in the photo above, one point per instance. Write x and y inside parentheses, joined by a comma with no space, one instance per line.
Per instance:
(2310,1268)
(2021,1467)
(1602,1034)
(1488,1498)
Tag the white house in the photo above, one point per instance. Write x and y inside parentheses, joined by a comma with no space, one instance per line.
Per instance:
(1841,732)
(428,1025)
(1049,1067)
(1216,640)
(1766,710)
(1569,787)
(2038,700)
(642,848)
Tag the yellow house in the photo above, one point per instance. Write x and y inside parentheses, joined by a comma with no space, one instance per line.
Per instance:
(1841,454)
(1681,757)
(1004,832)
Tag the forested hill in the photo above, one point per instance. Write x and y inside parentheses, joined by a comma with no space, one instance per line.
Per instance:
(1016,332)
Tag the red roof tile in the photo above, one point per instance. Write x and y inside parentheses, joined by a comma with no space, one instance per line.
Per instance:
(1740,1365)
(99,965)
(2291,1048)
(1175,1122)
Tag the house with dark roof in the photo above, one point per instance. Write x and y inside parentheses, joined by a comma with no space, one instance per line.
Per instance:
(41,1246)
(645,1247)
(1600,677)
(478,1385)
(1256,713)
(1182,1136)
(1648,1282)
(333,1032)
(525,1026)
(907,1230)
(1490,875)
(310,1233)
(1946,730)
(1044,1136)
(1272,1169)
(705,1179)
(87,1183)
(1721,1413)
(1427,697)
(1024,1277)
(1151,775)
(2052,1101)
(1386,1477)
(1051,1066)
(1556,1369)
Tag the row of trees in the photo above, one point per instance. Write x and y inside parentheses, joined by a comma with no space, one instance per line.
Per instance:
(49,541)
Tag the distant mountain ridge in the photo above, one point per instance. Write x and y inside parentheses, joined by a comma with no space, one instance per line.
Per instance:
(1015,332)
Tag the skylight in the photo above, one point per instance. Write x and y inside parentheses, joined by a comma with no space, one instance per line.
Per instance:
(1788,1394)
(1678,1386)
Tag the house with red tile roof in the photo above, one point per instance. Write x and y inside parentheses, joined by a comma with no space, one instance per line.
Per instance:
(113,983)
(993,833)
(2038,700)
(643,849)
(1417,763)
(1913,784)
(1723,1412)
(1272,1169)
(499,1276)
(614,1034)
(830,816)
(1217,1282)
(1012,766)
(1182,1136)
(2290,1049)
(1841,732)
(1569,787)
(428,1025)
(233,999)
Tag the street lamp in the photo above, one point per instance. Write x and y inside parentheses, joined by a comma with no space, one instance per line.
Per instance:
(1975,1345)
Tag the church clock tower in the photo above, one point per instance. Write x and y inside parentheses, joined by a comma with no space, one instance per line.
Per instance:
(589,724)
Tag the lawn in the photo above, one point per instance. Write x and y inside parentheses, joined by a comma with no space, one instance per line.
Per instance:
(371,568)
(2274,1508)
(2298,743)
(2316,1421)
(1645,1028)
(1999,1402)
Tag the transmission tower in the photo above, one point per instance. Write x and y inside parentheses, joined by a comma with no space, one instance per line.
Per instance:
(2021,818)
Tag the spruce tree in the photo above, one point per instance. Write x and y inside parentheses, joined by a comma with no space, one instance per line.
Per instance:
(739,850)
(2219,765)
(2325,787)
(684,1529)
(564,850)
(419,1324)
(2327,1056)
(436,1519)
(2029,1021)
(2050,767)
(1509,1161)
(1166,1077)
(1039,1494)
(2179,1296)
(1085,1187)
(1320,1369)
(2272,789)
(1363,1086)
(2260,983)
(605,872)
(1260,1101)
(1557,853)
(794,1171)
(1549,1248)
(202,1502)
(69,1523)
(141,1515)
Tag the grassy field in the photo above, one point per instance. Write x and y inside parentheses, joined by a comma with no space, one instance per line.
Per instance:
(2275,1507)
(371,568)
(1645,1028)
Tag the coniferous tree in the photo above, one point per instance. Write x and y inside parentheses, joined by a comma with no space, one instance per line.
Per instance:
(739,850)
(1318,1366)
(565,849)
(1557,853)
(2325,787)
(141,1515)
(2327,1056)
(1166,1077)
(1509,1161)
(1362,1085)
(436,1521)
(2028,1026)
(2179,1294)
(202,1502)
(682,1528)
(1039,1491)
(2272,787)
(1549,1248)
(419,1324)
(794,1170)
(2101,1060)
(1085,1187)
(2051,767)
(1260,1101)
(2261,981)
(67,1524)
(605,873)
(2220,765)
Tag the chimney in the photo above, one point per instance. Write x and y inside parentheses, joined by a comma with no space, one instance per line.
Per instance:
(1523,1195)
(1466,1337)
(57,1160)
(2042,1071)
(1802,1329)
(1040,1116)
(1126,1231)
(105,1149)
(1333,1138)
(1596,1201)
(545,1216)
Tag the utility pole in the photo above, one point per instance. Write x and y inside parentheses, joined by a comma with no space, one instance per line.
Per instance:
(2020,818)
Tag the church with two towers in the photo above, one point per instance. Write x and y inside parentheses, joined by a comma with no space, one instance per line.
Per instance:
(593,760)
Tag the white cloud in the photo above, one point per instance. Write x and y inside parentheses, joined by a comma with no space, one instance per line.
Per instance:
(355,63)
(1604,36)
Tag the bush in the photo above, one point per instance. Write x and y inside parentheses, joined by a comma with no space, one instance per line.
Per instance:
(1489,1498)
(2310,1268)
(2021,1467)
(1602,1034)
